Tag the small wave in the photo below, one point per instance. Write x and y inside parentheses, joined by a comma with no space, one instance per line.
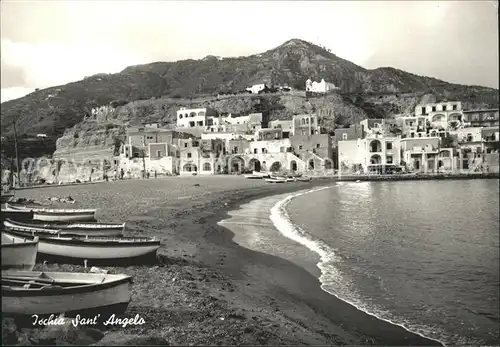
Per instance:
(331,278)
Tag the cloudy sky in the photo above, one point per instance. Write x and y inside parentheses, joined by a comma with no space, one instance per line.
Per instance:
(47,43)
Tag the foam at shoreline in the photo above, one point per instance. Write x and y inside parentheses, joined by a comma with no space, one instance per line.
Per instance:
(331,279)
(244,221)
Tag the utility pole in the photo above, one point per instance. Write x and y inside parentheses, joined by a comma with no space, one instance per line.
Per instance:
(144,155)
(17,153)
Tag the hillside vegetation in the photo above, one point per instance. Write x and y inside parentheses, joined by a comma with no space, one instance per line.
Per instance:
(156,90)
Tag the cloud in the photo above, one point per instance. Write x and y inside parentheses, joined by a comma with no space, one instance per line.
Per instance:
(48,64)
(14,93)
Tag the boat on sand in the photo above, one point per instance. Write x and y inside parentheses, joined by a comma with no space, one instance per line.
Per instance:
(5,197)
(16,215)
(88,247)
(262,174)
(41,212)
(43,293)
(276,180)
(75,228)
(19,255)
(253,177)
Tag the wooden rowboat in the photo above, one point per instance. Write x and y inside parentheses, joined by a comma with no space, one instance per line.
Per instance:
(17,215)
(276,180)
(88,247)
(253,177)
(261,174)
(43,293)
(55,215)
(303,179)
(90,229)
(5,197)
(19,255)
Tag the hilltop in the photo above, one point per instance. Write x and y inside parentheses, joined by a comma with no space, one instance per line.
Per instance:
(375,93)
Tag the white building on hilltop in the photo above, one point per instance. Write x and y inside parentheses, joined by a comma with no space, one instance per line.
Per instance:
(256,88)
(320,87)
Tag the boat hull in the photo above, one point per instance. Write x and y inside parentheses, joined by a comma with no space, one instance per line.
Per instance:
(82,248)
(56,215)
(272,180)
(16,215)
(73,229)
(304,179)
(61,217)
(90,292)
(21,255)
(5,198)
(253,177)
(261,174)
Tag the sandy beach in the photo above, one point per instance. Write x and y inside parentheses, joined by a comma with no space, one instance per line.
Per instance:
(205,288)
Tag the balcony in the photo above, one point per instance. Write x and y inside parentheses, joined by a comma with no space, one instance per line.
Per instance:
(427,150)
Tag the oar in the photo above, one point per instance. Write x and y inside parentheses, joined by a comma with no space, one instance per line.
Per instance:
(28,279)
(24,282)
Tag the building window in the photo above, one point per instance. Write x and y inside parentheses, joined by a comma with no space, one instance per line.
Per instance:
(412,134)
(344,136)
(235,150)
(444,107)
(454,107)
(263,150)
(158,154)
(207,167)
(433,108)
(388,159)
(301,147)
(189,155)
(388,145)
(255,151)
(423,110)
(318,145)
(185,145)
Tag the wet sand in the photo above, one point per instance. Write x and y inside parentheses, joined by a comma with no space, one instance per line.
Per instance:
(206,289)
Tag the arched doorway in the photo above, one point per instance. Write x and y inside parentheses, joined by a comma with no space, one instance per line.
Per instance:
(276,166)
(189,168)
(430,164)
(236,164)
(376,159)
(293,165)
(254,164)
(311,164)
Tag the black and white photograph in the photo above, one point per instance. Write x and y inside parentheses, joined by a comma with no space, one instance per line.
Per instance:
(223,173)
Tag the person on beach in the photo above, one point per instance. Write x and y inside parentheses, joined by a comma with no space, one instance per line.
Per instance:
(122,173)
(155,174)
(147,174)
